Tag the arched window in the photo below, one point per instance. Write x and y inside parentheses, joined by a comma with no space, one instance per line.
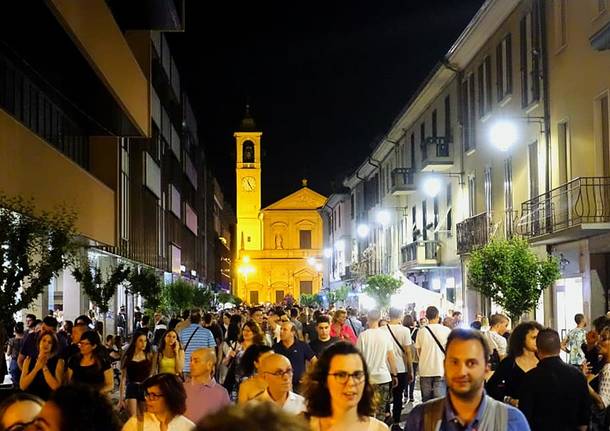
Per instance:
(248,152)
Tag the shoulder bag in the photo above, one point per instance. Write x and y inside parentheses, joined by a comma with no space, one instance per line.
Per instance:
(438,343)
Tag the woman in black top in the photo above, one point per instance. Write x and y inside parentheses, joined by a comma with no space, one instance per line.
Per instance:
(505,383)
(42,374)
(90,366)
(135,368)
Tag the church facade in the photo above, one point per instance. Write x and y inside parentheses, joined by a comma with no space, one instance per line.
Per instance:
(279,247)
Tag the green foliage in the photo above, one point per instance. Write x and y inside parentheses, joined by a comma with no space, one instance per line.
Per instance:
(381,288)
(178,296)
(33,248)
(203,298)
(100,291)
(510,273)
(224,298)
(338,295)
(147,284)
(309,300)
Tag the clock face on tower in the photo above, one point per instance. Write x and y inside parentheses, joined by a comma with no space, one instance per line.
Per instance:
(248,183)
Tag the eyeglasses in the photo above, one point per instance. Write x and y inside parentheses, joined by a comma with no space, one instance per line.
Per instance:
(280,373)
(342,377)
(152,396)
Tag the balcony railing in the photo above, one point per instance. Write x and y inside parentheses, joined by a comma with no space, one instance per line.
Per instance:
(403,181)
(436,152)
(584,200)
(419,253)
(472,233)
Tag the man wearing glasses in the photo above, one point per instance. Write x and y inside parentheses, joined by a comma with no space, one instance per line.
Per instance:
(277,372)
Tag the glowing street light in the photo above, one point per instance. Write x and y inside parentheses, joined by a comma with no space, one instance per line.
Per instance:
(503,134)
(311,261)
(362,230)
(383,217)
(328,253)
(340,245)
(318,267)
(432,186)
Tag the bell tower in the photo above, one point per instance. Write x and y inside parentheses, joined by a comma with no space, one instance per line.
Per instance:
(248,182)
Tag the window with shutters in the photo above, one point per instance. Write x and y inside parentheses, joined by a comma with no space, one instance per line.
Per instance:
(504,68)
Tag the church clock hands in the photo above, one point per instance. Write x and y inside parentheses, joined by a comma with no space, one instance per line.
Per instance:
(248,183)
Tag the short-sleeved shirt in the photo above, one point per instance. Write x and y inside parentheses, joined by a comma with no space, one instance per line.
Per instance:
(151,423)
(202,400)
(375,343)
(89,375)
(431,357)
(576,338)
(14,345)
(297,354)
(496,341)
(202,338)
(318,346)
(403,336)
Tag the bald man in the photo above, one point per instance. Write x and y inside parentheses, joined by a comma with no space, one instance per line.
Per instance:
(298,352)
(203,395)
(277,373)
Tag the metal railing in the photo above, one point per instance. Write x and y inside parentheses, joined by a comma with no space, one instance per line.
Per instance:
(403,177)
(582,200)
(472,233)
(408,253)
(440,144)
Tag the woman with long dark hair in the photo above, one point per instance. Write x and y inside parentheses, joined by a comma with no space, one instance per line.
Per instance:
(90,365)
(252,383)
(43,374)
(338,392)
(229,343)
(135,368)
(505,383)
(165,406)
(251,334)
(170,355)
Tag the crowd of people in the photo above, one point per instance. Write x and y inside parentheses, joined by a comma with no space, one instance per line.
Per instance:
(296,368)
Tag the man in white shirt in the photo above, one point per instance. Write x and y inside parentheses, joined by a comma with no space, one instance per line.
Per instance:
(277,372)
(430,344)
(495,335)
(401,341)
(376,346)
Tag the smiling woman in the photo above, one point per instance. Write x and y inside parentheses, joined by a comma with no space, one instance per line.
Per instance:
(338,392)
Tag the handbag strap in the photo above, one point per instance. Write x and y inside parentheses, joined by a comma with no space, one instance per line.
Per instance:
(394,337)
(190,338)
(352,325)
(438,343)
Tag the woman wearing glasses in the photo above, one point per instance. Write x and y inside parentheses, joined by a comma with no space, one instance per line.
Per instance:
(338,393)
(165,406)
(91,366)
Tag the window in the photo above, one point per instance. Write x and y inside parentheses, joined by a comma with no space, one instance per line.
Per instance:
(414,232)
(436,216)
(306,287)
(504,68)
(124,189)
(563,136)
(487,190)
(254,297)
(530,79)
(161,224)
(339,216)
(413,162)
(448,118)
(468,113)
(472,193)
(533,165)
(424,223)
(449,204)
(352,206)
(561,23)
(605,138)
(508,198)
(434,126)
(485,87)
(422,141)
(305,239)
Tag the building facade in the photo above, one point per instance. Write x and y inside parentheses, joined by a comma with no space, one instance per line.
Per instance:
(279,247)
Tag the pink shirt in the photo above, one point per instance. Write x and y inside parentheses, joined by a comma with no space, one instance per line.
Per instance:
(202,400)
(346,333)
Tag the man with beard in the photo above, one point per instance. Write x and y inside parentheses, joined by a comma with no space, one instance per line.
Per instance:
(466,406)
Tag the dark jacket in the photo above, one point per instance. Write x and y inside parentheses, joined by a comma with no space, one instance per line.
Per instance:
(555,396)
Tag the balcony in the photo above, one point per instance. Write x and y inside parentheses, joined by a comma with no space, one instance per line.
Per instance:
(437,154)
(472,233)
(419,255)
(403,182)
(572,211)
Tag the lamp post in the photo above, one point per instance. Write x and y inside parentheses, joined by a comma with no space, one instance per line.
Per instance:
(246,269)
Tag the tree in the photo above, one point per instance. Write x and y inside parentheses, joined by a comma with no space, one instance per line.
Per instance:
(309,300)
(227,298)
(100,291)
(510,273)
(203,297)
(33,248)
(338,295)
(381,288)
(178,296)
(147,284)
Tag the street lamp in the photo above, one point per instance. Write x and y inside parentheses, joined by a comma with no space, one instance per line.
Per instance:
(340,245)
(383,217)
(432,186)
(328,253)
(362,230)
(503,134)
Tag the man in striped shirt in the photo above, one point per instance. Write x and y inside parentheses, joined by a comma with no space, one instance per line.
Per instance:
(195,337)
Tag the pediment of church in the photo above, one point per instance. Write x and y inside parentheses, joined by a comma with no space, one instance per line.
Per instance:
(302,199)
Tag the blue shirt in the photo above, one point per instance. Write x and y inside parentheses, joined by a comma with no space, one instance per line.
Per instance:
(297,354)
(415,419)
(202,338)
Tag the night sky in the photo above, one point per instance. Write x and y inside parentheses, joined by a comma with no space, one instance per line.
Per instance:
(324,79)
